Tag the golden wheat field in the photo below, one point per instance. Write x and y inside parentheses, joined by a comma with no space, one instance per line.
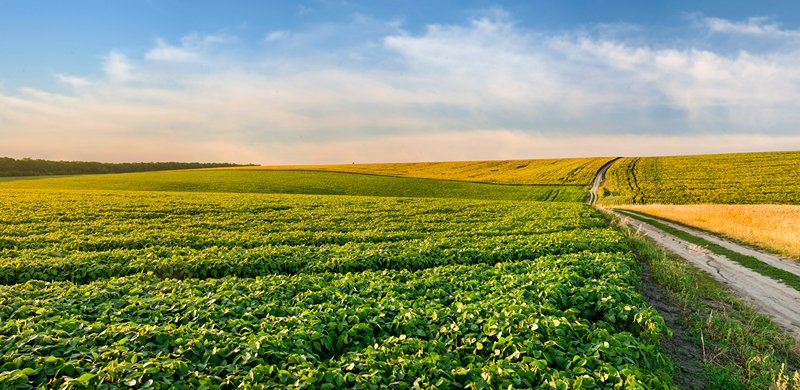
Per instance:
(776,227)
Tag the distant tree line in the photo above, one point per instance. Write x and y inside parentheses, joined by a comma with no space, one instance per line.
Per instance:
(32,167)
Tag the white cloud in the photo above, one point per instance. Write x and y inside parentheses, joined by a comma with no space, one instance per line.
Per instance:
(192,47)
(169,53)
(275,36)
(484,89)
(117,67)
(507,144)
(73,81)
(759,26)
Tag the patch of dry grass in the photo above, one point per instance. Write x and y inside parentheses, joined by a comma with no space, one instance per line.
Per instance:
(775,227)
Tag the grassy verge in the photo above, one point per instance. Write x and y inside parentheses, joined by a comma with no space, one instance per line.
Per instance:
(750,262)
(740,348)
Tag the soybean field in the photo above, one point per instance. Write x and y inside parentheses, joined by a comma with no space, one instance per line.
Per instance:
(158,280)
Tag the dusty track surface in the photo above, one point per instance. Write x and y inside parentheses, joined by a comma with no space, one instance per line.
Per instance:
(775,299)
(765,294)
(776,261)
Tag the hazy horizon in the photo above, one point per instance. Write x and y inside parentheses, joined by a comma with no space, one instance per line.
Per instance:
(327,82)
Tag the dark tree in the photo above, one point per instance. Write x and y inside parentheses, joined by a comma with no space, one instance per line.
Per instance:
(31,167)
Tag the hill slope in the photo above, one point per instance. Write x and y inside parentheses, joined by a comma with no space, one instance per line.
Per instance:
(301,182)
(744,178)
(775,227)
(570,171)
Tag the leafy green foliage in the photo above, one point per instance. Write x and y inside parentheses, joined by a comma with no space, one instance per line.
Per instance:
(87,236)
(572,320)
(745,178)
(298,182)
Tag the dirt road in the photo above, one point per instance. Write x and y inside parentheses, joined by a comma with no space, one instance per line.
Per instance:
(775,299)
(776,261)
(598,180)
(764,294)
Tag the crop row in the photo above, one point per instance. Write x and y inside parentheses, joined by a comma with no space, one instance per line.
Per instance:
(185,262)
(558,321)
(747,178)
(87,236)
(55,216)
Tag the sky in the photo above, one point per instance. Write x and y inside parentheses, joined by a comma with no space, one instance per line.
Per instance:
(336,81)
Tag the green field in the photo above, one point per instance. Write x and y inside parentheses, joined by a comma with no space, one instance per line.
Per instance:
(303,182)
(87,235)
(569,171)
(744,178)
(198,279)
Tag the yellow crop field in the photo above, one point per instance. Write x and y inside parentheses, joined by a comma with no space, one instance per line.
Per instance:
(745,178)
(577,171)
(776,227)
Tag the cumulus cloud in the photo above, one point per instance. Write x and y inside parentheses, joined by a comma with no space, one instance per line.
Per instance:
(759,25)
(73,81)
(274,36)
(169,53)
(486,88)
(117,67)
(191,48)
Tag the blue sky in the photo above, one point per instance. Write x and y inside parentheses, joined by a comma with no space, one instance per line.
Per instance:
(338,81)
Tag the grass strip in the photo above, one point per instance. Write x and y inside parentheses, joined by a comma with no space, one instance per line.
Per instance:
(750,262)
(741,349)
